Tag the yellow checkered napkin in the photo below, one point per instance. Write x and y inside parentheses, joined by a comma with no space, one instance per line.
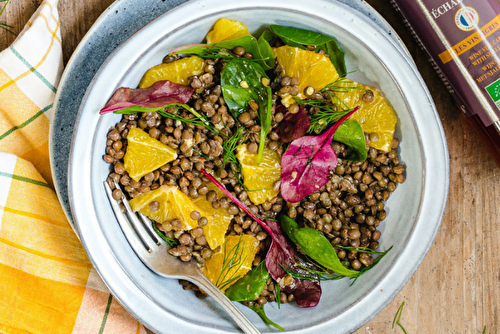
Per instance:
(47,284)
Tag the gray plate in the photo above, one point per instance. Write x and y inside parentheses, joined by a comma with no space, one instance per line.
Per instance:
(414,211)
(122,19)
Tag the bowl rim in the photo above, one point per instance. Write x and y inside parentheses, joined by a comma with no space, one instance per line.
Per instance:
(429,165)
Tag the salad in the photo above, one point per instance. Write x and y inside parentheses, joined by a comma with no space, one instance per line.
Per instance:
(258,158)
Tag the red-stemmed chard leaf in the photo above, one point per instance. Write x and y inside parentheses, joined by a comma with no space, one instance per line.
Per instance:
(306,165)
(293,126)
(159,95)
(281,254)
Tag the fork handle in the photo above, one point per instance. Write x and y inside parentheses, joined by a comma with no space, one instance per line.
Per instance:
(207,286)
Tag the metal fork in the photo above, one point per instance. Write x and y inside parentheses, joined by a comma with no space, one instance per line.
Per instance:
(152,250)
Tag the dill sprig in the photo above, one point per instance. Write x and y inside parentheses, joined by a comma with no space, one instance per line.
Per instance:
(5,26)
(325,274)
(198,120)
(170,241)
(232,261)
(397,317)
(277,294)
(329,111)
(231,144)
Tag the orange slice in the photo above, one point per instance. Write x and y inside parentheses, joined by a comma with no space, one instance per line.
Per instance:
(259,178)
(178,71)
(311,68)
(232,260)
(225,30)
(145,154)
(173,204)
(375,116)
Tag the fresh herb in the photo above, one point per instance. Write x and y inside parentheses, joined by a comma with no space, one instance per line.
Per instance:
(232,262)
(259,309)
(159,95)
(281,252)
(198,120)
(397,318)
(265,49)
(325,274)
(277,294)
(351,133)
(306,172)
(242,82)
(170,241)
(316,246)
(222,50)
(293,126)
(297,37)
(5,26)
(229,146)
(380,256)
(250,286)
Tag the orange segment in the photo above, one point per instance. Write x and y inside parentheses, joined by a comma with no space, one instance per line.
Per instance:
(225,30)
(218,220)
(232,260)
(376,116)
(178,71)
(145,154)
(311,68)
(173,204)
(259,178)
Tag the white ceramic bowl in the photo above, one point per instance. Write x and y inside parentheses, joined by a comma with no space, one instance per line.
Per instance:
(414,210)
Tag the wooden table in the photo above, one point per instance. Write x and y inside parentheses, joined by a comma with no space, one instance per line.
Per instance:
(457,287)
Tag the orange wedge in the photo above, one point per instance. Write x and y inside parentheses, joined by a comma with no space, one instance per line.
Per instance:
(311,68)
(375,116)
(225,30)
(145,154)
(232,260)
(259,178)
(178,71)
(173,204)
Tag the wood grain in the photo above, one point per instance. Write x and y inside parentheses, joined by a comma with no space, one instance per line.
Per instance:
(457,287)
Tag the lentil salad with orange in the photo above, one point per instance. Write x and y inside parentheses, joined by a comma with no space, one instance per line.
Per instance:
(258,159)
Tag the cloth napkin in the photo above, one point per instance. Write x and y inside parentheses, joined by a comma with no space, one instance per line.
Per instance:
(47,284)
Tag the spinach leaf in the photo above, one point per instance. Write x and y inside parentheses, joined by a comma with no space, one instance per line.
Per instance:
(315,245)
(241,82)
(337,56)
(351,134)
(259,309)
(297,37)
(217,50)
(266,52)
(250,286)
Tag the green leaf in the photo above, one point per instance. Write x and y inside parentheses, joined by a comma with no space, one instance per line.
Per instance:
(259,309)
(299,36)
(241,82)
(265,49)
(216,50)
(315,245)
(250,286)
(337,56)
(351,134)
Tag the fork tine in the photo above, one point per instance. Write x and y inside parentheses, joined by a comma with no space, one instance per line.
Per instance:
(132,227)
(144,221)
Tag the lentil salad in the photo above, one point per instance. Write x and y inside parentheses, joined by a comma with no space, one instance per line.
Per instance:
(346,209)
